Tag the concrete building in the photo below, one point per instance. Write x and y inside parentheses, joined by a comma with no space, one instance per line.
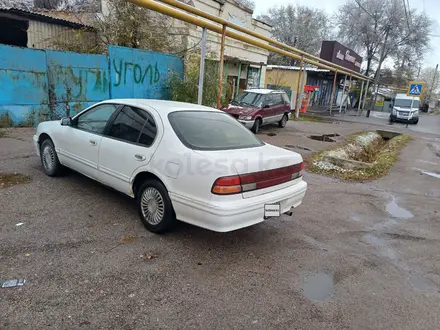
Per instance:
(287,77)
(245,65)
(25,28)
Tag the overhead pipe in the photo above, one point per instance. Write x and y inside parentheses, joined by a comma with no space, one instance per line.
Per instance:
(167,10)
(220,70)
(222,21)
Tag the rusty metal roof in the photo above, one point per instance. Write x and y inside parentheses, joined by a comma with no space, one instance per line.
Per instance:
(41,17)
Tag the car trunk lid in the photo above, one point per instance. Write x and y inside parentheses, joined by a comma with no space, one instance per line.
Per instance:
(262,169)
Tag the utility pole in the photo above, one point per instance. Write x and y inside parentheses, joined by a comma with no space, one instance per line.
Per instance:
(377,77)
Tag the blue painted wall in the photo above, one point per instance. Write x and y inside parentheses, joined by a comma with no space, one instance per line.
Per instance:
(139,73)
(38,85)
(76,81)
(23,86)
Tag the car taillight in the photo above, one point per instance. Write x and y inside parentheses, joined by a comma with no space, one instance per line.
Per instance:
(227,185)
(258,180)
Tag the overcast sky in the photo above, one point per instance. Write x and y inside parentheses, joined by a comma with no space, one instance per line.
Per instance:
(431,7)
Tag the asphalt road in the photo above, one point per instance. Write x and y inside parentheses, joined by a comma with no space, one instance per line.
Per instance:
(353,256)
(427,124)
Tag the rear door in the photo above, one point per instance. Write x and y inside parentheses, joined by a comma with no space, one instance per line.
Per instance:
(279,107)
(129,143)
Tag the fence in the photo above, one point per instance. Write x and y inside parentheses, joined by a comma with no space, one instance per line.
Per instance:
(39,85)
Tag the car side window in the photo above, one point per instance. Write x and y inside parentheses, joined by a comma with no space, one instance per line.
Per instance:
(149,131)
(268,100)
(277,99)
(134,125)
(96,118)
(285,98)
(128,124)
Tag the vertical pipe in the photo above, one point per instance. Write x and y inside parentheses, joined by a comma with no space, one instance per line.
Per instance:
(237,89)
(360,96)
(260,75)
(343,93)
(332,97)
(220,69)
(301,91)
(202,67)
(349,91)
(366,95)
(299,81)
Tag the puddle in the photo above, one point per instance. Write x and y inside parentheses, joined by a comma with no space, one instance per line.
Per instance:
(435,175)
(381,244)
(324,137)
(374,240)
(398,212)
(318,287)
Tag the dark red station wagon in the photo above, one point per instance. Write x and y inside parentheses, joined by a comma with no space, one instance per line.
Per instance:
(257,107)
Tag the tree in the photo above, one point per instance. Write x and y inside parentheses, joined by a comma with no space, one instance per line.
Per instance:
(21,4)
(186,89)
(431,77)
(125,24)
(384,28)
(381,29)
(247,3)
(297,26)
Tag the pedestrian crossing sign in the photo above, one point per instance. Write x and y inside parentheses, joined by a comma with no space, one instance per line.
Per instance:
(415,88)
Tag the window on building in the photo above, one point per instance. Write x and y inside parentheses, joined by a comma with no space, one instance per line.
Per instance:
(13,31)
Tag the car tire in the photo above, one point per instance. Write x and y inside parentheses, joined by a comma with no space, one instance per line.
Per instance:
(282,123)
(416,121)
(49,159)
(155,208)
(256,126)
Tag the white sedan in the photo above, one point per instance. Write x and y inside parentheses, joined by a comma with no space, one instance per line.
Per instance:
(180,161)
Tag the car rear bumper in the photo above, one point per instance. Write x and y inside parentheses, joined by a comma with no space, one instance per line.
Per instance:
(224,217)
(36,145)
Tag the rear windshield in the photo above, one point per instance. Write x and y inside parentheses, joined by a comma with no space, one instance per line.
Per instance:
(206,130)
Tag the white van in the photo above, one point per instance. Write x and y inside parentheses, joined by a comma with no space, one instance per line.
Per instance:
(405,109)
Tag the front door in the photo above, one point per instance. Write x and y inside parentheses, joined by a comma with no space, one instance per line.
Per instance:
(267,112)
(79,143)
(129,143)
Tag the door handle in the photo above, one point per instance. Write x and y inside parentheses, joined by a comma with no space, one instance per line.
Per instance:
(93,142)
(139,157)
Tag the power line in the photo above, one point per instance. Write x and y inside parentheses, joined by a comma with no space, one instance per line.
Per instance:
(362,7)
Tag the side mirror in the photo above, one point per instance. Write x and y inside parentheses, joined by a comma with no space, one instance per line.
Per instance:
(66,121)
(390,106)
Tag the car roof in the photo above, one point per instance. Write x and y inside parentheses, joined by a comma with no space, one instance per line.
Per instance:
(263,91)
(161,106)
(405,97)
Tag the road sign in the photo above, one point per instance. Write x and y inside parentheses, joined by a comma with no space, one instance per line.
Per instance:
(415,88)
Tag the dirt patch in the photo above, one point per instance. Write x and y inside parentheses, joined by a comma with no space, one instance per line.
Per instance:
(12,179)
(405,237)
(364,148)
(272,134)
